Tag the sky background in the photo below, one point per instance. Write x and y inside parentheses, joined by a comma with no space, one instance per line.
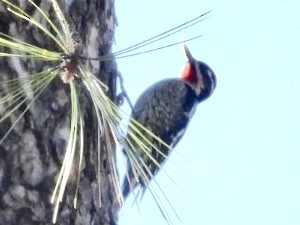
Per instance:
(242,148)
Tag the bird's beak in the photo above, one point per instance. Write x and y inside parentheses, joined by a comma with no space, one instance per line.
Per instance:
(188,53)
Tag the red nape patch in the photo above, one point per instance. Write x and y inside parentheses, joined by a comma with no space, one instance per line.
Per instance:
(189,73)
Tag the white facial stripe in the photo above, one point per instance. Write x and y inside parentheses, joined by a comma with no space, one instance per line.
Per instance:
(199,84)
(211,75)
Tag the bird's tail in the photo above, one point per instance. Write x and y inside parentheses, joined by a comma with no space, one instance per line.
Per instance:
(126,187)
(130,182)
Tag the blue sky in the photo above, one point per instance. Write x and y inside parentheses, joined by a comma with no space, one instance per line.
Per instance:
(243,145)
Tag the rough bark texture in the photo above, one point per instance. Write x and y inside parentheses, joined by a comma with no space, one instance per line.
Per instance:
(31,156)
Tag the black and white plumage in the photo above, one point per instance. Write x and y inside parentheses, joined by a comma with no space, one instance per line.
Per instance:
(166,108)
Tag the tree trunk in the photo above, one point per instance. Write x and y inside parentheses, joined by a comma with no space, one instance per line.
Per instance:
(32,154)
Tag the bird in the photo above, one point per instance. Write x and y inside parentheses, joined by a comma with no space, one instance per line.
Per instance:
(165,109)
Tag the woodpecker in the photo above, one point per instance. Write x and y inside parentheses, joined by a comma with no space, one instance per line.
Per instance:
(166,108)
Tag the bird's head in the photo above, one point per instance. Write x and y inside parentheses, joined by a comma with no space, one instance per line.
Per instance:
(199,76)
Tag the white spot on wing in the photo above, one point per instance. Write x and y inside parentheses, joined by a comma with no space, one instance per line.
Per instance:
(177,137)
(189,115)
(192,111)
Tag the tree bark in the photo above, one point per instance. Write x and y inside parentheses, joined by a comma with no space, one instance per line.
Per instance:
(32,154)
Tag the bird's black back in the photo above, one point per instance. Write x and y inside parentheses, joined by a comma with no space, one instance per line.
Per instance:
(165,108)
